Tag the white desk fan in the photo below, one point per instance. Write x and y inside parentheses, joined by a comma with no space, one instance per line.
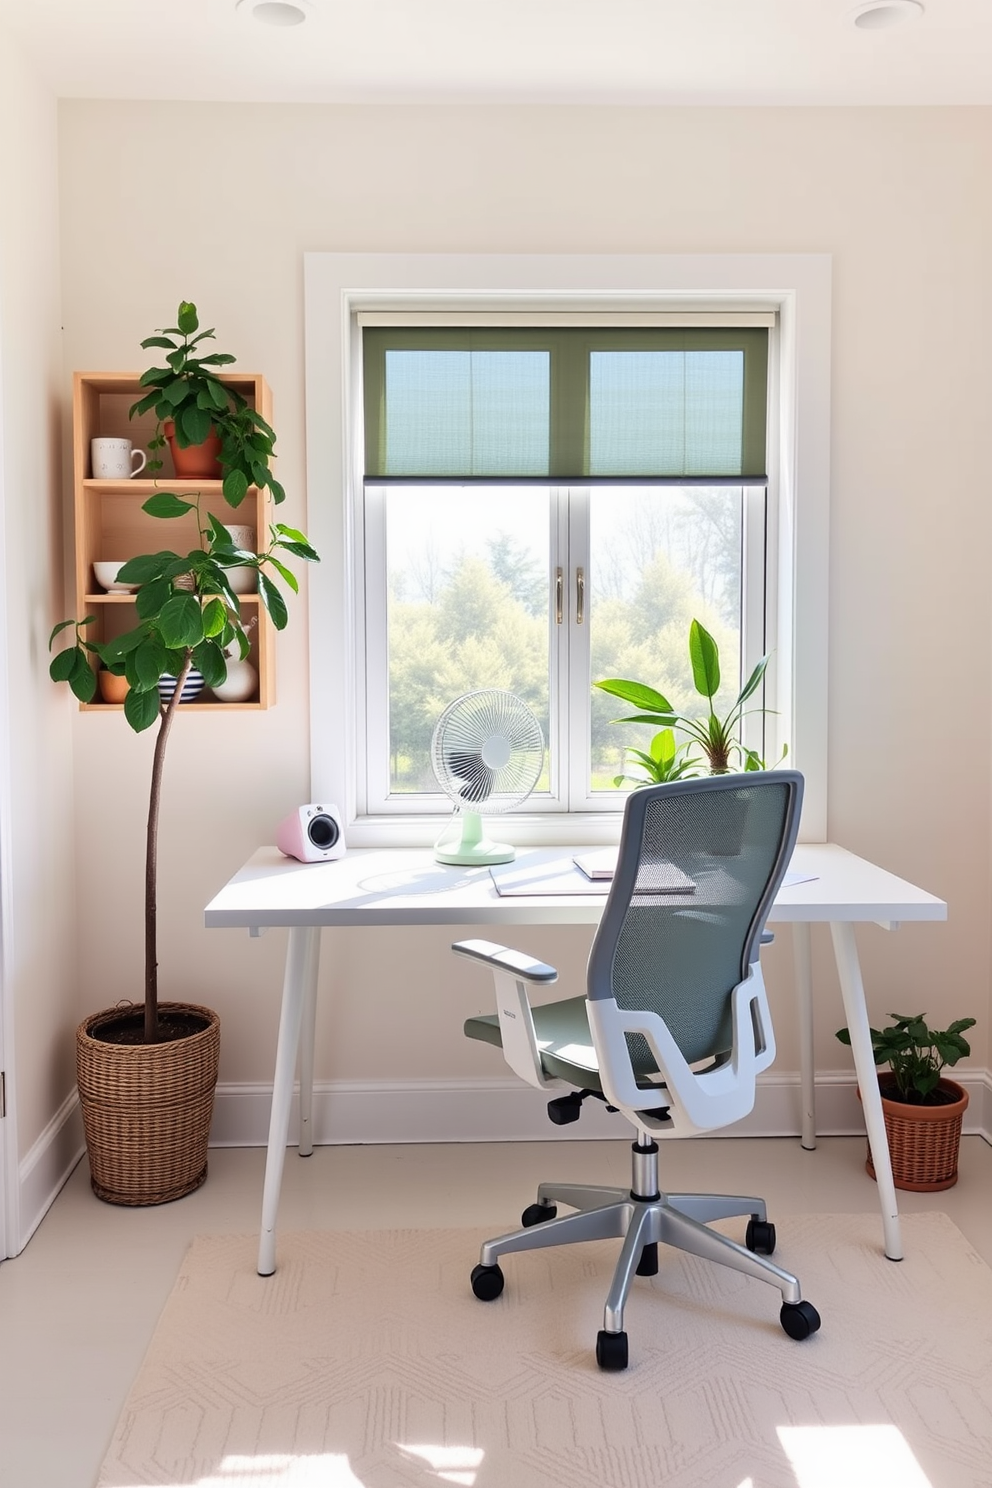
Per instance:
(487,750)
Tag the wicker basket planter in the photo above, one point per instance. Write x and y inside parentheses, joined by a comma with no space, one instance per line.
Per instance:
(923,1140)
(147,1108)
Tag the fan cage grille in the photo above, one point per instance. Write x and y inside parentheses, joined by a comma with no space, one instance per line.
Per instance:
(487,751)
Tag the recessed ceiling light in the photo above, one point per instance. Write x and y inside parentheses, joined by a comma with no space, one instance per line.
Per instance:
(878,14)
(275,12)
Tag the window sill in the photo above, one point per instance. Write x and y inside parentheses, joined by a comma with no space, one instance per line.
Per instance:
(582,828)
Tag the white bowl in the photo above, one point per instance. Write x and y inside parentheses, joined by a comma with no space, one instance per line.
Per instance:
(106,577)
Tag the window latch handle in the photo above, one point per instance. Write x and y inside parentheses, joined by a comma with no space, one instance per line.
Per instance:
(580,595)
(559,596)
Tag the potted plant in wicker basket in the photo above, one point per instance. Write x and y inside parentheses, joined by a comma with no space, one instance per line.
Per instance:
(147,1072)
(923,1110)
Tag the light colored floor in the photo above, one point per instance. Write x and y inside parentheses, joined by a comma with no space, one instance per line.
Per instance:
(79,1305)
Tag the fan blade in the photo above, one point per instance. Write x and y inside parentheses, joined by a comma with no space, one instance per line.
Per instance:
(479,779)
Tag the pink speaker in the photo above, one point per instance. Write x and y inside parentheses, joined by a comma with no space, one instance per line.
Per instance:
(312,834)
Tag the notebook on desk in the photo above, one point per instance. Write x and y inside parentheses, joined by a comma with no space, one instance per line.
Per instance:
(564,875)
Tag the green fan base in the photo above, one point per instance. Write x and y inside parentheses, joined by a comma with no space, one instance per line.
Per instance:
(469,847)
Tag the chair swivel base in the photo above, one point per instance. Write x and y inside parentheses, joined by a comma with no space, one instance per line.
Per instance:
(643,1221)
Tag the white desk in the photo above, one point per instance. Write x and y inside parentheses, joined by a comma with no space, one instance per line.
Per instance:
(405,886)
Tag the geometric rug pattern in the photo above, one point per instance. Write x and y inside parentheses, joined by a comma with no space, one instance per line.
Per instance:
(366,1362)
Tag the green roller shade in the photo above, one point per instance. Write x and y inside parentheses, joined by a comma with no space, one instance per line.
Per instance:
(566,404)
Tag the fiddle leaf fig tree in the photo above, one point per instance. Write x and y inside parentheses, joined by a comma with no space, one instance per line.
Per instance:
(187,616)
(718,738)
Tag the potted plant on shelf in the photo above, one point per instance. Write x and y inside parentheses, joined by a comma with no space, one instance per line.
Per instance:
(146,1074)
(923,1110)
(211,429)
(717,738)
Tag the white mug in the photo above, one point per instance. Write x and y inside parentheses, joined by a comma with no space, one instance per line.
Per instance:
(113,459)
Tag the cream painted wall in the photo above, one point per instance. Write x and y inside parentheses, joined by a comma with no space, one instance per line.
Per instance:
(36,804)
(218,203)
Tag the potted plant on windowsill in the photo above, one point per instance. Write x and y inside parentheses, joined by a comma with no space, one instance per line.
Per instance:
(923,1110)
(717,738)
(146,1073)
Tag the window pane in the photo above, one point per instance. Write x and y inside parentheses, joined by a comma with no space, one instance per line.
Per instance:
(467,412)
(467,608)
(666,412)
(660,558)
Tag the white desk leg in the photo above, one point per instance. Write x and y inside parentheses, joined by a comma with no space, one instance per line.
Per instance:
(307,1033)
(853,993)
(299,954)
(803,971)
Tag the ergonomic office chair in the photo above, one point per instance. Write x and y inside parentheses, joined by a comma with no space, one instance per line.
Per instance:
(672,1031)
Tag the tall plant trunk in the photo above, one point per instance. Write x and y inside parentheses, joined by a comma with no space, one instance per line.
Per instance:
(168,713)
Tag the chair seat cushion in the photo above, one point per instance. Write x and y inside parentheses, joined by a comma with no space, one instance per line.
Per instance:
(566,1046)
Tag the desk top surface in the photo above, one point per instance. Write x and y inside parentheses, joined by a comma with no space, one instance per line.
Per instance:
(405,886)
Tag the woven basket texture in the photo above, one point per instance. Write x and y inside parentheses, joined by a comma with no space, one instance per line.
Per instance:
(147,1109)
(924,1141)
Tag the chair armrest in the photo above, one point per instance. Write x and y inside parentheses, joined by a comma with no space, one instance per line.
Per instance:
(502,958)
(511,970)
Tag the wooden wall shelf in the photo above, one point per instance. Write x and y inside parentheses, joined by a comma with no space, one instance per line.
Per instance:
(110,525)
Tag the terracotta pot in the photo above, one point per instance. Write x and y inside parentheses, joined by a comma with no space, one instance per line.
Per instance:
(923,1140)
(196,461)
(113,689)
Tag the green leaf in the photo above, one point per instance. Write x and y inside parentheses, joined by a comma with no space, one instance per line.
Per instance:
(300,550)
(181,622)
(151,597)
(218,358)
(149,662)
(62,664)
(196,424)
(187,318)
(150,341)
(157,377)
(705,659)
(167,504)
(214,618)
(142,405)
(638,693)
(294,535)
(64,625)
(209,658)
(141,709)
(663,747)
(146,566)
(214,391)
(286,573)
(273,601)
(278,494)
(82,678)
(754,680)
(235,487)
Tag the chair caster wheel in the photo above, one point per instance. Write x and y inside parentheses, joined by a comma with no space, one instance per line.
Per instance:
(799,1319)
(611,1350)
(760,1236)
(487,1282)
(537,1213)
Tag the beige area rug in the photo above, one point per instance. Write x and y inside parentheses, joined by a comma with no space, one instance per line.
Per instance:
(365,1362)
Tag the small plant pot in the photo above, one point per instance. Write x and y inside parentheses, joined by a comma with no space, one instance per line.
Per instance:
(924,1141)
(196,461)
(113,689)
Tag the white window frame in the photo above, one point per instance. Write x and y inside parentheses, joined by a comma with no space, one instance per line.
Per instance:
(339,288)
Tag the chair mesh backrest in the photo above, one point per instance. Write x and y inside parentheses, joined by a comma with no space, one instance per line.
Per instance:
(699,865)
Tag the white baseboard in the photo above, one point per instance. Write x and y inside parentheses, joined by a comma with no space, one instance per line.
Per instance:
(350,1113)
(44,1169)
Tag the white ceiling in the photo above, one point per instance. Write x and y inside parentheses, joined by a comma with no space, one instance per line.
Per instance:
(559,51)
